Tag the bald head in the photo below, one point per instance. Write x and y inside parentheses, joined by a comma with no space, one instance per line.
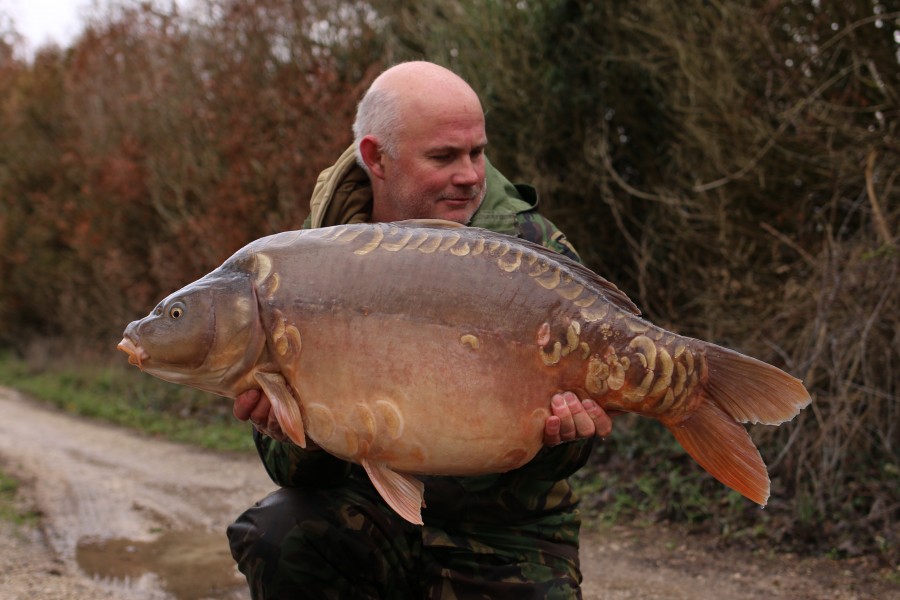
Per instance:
(420,136)
(406,94)
(424,80)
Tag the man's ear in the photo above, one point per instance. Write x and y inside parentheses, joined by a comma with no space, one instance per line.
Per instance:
(371,153)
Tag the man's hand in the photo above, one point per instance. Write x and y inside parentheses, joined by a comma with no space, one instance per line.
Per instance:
(574,419)
(255,407)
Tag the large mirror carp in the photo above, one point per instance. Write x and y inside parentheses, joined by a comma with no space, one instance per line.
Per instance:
(430,348)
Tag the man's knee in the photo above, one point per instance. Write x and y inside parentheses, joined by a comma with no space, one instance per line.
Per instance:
(257,536)
(320,541)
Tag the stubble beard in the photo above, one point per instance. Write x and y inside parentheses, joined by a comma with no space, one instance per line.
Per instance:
(411,206)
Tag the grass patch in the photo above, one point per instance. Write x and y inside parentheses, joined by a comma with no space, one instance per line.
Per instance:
(640,475)
(11,508)
(124,396)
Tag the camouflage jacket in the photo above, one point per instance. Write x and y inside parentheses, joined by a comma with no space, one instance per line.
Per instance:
(539,488)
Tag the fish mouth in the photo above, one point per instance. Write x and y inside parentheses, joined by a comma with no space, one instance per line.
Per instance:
(136,354)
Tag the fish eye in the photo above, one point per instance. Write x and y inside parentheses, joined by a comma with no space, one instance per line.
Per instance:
(176,311)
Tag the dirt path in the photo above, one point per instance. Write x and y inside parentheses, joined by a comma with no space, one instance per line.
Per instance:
(134,518)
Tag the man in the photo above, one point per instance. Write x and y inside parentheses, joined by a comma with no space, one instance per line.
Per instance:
(419,141)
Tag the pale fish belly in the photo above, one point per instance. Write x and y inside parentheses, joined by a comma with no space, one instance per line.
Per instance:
(365,395)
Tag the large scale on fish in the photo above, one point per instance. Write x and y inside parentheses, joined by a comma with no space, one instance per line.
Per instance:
(425,347)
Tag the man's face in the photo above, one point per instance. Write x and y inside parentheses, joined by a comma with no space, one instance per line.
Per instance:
(438,170)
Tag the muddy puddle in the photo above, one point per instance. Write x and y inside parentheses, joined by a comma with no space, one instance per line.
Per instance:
(187,565)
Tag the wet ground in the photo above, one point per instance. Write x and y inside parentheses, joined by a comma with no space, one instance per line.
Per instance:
(187,564)
(129,517)
(137,516)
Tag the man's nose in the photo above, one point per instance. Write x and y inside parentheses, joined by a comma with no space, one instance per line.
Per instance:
(467,174)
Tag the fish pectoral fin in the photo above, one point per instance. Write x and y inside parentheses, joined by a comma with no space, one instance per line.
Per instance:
(287,409)
(404,493)
(723,447)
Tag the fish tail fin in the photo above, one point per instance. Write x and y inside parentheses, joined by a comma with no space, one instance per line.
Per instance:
(737,389)
(752,391)
(723,447)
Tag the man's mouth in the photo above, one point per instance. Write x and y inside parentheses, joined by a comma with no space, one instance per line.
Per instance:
(466,198)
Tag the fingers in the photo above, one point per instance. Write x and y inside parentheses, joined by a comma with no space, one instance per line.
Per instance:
(583,424)
(560,425)
(245,403)
(255,407)
(265,420)
(601,420)
(551,431)
(259,416)
(573,419)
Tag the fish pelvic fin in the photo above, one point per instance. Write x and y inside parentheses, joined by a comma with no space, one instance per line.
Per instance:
(286,407)
(723,447)
(752,391)
(403,493)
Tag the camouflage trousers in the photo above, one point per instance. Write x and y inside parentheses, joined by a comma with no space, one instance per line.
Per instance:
(344,543)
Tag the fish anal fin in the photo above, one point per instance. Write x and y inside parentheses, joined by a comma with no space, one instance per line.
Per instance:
(286,407)
(724,448)
(404,493)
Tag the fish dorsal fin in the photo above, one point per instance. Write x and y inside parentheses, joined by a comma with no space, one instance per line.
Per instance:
(602,285)
(606,288)
(404,493)
(286,407)
(439,223)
